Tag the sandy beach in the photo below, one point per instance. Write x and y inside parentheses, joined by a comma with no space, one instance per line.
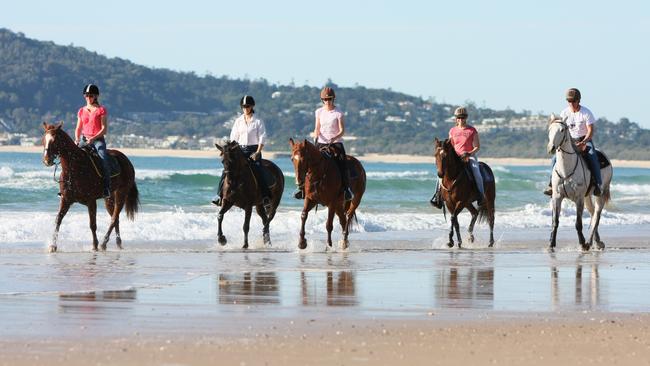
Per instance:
(391,158)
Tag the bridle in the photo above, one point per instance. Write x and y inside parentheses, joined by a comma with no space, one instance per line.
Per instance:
(574,152)
(454,180)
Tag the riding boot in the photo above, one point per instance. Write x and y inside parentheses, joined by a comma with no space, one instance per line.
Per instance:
(299,193)
(217,199)
(436,200)
(549,189)
(343,169)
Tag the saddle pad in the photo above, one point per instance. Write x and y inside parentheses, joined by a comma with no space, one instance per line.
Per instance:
(97,164)
(486,172)
(602,159)
(269,178)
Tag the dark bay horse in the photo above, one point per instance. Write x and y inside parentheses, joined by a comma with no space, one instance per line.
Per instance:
(81,183)
(240,188)
(322,183)
(459,191)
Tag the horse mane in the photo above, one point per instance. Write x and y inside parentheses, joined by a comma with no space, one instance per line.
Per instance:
(451,152)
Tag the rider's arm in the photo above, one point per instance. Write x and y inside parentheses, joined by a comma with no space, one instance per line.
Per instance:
(476,143)
(77,131)
(317,129)
(590,133)
(341,129)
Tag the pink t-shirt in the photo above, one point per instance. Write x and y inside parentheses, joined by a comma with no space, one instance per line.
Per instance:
(329,124)
(91,122)
(463,138)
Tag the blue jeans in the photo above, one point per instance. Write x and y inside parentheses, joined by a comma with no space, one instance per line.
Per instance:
(592,159)
(473,163)
(100,146)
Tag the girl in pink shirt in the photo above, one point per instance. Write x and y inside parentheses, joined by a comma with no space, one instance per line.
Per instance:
(92,125)
(328,130)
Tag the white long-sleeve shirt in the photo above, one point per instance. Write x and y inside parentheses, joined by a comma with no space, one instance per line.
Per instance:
(252,133)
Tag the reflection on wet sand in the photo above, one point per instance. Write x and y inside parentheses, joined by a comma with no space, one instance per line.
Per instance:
(249,288)
(339,286)
(463,284)
(95,301)
(587,291)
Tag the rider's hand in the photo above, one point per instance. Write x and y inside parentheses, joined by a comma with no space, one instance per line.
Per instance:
(255,156)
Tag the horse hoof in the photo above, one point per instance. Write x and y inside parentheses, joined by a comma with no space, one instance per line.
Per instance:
(267,240)
(222,240)
(245,246)
(471,238)
(103,247)
(601,245)
(51,249)
(585,247)
(344,244)
(491,244)
(450,244)
(302,244)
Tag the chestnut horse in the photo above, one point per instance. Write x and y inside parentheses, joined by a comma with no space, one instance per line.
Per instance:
(459,191)
(322,183)
(81,183)
(240,189)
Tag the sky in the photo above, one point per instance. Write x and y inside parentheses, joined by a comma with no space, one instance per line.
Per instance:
(521,55)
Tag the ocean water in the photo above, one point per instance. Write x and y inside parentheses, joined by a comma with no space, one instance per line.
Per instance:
(176,212)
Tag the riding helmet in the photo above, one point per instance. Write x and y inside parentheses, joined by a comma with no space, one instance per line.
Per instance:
(460,112)
(247,100)
(573,95)
(327,92)
(91,89)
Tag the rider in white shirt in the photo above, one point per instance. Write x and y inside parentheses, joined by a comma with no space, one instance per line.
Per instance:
(581,124)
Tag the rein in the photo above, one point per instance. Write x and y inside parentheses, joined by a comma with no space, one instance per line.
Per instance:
(575,152)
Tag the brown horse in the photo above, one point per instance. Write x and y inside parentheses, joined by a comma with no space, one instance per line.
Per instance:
(321,180)
(81,183)
(459,191)
(240,188)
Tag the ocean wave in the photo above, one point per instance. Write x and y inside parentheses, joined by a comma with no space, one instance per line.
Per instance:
(177,224)
(631,189)
(153,174)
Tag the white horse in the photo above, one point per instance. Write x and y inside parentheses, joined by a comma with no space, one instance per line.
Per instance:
(570,179)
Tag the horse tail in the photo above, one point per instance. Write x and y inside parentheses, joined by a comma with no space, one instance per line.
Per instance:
(132,202)
(607,195)
(486,212)
(348,224)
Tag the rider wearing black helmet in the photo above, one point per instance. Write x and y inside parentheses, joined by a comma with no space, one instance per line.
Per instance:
(92,126)
(250,134)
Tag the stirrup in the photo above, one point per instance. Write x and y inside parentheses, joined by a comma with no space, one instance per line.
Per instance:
(348,195)
(548,191)
(216,201)
(266,203)
(107,193)
(299,194)
(435,202)
(598,190)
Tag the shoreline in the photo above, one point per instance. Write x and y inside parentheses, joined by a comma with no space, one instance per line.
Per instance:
(371,158)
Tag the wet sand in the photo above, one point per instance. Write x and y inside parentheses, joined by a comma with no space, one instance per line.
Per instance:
(375,158)
(418,304)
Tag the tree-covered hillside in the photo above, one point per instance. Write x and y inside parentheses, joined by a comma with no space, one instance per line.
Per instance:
(43,81)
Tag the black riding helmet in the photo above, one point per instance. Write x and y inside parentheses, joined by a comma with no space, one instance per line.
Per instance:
(91,89)
(247,100)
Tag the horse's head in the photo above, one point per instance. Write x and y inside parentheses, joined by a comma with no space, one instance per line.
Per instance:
(302,155)
(444,153)
(52,141)
(558,133)
(234,163)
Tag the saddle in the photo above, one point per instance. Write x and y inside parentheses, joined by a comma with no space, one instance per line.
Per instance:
(329,152)
(268,177)
(603,162)
(486,173)
(96,161)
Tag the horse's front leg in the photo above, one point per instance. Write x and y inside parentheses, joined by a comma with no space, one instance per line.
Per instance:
(247,223)
(343,220)
(457,229)
(450,244)
(593,224)
(580,207)
(309,204)
(474,214)
(92,216)
(329,225)
(64,205)
(265,221)
(556,203)
(225,206)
